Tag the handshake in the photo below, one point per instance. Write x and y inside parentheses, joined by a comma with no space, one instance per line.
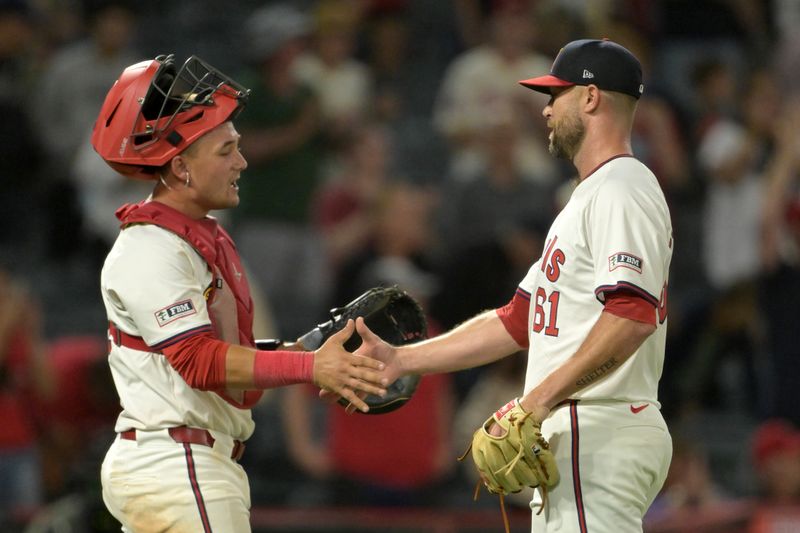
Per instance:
(389,312)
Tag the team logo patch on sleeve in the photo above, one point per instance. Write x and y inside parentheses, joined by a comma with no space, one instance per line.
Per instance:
(174,312)
(624,259)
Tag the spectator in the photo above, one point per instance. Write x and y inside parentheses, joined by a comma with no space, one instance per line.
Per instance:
(505,260)
(779,288)
(70,92)
(20,153)
(402,240)
(344,207)
(776,456)
(481,209)
(480,86)
(341,83)
(80,414)
(77,77)
(733,155)
(25,378)
(690,485)
(403,86)
(281,132)
(281,139)
(715,89)
(396,458)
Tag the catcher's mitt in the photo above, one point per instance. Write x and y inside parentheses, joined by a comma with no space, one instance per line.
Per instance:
(520,458)
(394,316)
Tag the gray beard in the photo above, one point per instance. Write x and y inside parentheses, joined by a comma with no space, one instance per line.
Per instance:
(566,141)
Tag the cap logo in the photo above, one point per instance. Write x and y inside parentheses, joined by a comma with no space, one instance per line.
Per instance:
(587,74)
(641,88)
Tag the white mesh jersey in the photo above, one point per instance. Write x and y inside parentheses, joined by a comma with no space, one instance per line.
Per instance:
(615,232)
(153,285)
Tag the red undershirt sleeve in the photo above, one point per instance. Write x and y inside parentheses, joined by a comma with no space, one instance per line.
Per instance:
(631,306)
(200,360)
(514,316)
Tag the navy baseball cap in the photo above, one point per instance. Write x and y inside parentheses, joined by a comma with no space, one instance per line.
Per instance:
(604,63)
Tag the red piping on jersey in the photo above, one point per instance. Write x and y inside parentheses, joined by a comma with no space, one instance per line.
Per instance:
(198,496)
(576,471)
(610,159)
(166,343)
(626,286)
(522,293)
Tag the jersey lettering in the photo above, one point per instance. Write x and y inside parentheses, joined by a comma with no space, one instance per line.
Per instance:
(554,265)
(545,311)
(547,249)
(552,260)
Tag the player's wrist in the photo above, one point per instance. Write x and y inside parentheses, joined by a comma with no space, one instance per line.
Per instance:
(538,410)
(282,367)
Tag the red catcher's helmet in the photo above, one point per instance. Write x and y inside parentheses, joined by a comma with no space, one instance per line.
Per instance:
(153,112)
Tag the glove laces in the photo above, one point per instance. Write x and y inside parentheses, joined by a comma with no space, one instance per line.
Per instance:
(508,469)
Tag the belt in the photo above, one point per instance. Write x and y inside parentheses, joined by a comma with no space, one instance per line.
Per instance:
(187,435)
(120,338)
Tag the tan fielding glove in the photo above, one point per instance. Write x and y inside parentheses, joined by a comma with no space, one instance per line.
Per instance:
(520,458)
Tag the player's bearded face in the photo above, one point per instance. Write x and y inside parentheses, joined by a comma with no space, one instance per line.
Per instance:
(567,135)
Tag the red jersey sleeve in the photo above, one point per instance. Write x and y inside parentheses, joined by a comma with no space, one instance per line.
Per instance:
(629,305)
(514,316)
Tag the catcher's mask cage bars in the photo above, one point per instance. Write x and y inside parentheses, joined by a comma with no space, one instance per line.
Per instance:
(172,92)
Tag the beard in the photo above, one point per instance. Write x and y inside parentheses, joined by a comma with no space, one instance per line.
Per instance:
(567,137)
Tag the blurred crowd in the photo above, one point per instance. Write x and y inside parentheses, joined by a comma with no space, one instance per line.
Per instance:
(389,143)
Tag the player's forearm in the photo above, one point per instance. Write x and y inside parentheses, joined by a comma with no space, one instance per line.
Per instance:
(478,341)
(246,368)
(609,344)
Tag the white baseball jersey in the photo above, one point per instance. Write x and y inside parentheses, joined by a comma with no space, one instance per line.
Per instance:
(614,233)
(153,285)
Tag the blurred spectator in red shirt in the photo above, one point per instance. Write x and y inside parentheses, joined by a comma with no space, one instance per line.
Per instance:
(776,456)
(24,379)
(81,411)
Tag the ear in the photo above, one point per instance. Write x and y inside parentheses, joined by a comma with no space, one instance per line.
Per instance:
(591,98)
(178,166)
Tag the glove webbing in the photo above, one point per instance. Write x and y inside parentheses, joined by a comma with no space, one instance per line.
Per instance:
(512,464)
(520,453)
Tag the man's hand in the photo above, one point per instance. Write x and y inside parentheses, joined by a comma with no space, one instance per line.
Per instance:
(346,374)
(374,347)
(510,452)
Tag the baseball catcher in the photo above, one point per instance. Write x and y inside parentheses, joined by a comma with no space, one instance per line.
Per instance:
(389,312)
(519,457)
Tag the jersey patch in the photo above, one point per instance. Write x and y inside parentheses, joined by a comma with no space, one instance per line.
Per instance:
(624,259)
(174,312)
